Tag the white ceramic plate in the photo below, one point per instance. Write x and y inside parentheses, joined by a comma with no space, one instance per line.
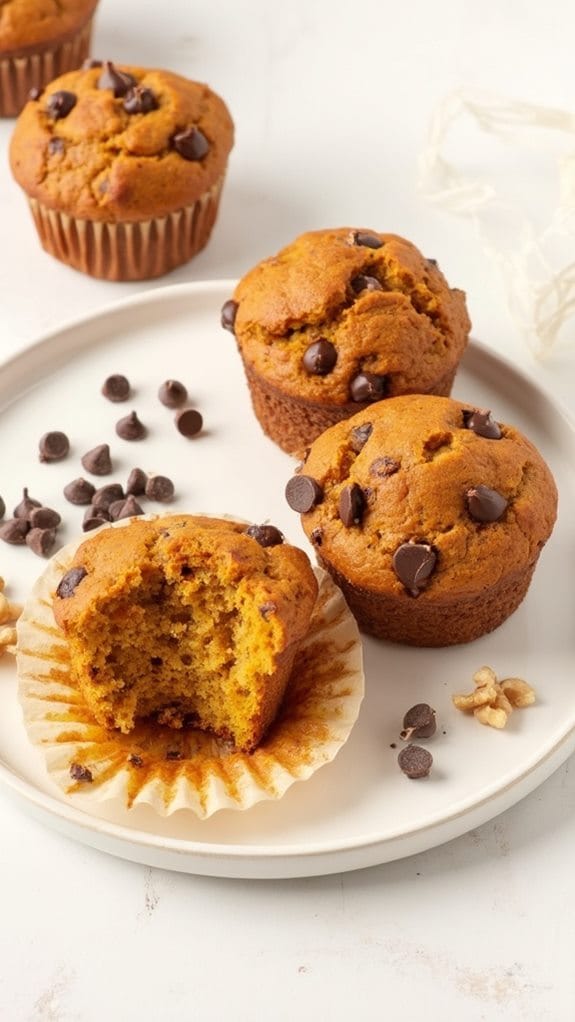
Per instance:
(359,810)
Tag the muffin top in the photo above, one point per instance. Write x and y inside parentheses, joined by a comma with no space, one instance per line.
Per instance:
(336,305)
(29,24)
(121,143)
(425,496)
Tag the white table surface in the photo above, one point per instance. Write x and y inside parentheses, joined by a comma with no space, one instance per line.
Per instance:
(332,102)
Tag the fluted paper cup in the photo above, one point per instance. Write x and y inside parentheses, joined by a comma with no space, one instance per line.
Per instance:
(19,74)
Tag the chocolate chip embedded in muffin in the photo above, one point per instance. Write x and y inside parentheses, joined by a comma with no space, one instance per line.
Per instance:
(368,387)
(485,504)
(415,762)
(413,564)
(140,100)
(60,103)
(359,436)
(121,82)
(192,144)
(352,505)
(384,467)
(70,582)
(303,493)
(56,146)
(78,772)
(482,423)
(265,535)
(365,239)
(320,357)
(364,282)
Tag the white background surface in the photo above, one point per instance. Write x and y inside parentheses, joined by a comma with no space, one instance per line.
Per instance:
(332,103)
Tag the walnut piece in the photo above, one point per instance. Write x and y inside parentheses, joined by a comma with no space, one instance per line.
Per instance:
(492,701)
(9,614)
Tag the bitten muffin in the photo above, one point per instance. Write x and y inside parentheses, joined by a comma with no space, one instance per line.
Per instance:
(189,620)
(340,319)
(430,516)
(40,39)
(123,168)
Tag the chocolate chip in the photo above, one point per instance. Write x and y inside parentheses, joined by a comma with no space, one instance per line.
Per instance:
(116,388)
(351,505)
(54,446)
(484,504)
(44,518)
(26,506)
(368,387)
(173,754)
(418,722)
(56,146)
(482,423)
(130,427)
(415,762)
(106,495)
(366,239)
(320,358)
(228,316)
(317,536)
(413,563)
(267,609)
(78,772)
(98,461)
(14,531)
(136,484)
(384,466)
(89,63)
(172,393)
(359,436)
(365,283)
(60,103)
(432,262)
(128,508)
(265,535)
(192,144)
(135,760)
(303,493)
(94,518)
(2,508)
(41,541)
(70,582)
(160,488)
(140,100)
(189,422)
(79,491)
(35,93)
(120,81)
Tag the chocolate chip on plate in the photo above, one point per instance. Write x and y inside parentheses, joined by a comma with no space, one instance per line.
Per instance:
(366,239)
(485,504)
(60,103)
(106,495)
(303,493)
(140,100)
(54,446)
(44,518)
(363,282)
(418,722)
(2,508)
(26,506)
(14,531)
(482,423)
(368,387)
(192,144)
(384,466)
(189,422)
(359,436)
(320,358)
(119,81)
(130,427)
(228,315)
(172,393)
(351,505)
(79,491)
(128,508)
(415,762)
(159,488)
(265,535)
(70,582)
(98,461)
(41,541)
(413,563)
(79,772)
(116,387)
(136,484)
(94,518)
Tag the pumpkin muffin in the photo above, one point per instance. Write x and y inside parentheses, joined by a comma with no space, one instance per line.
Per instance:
(340,319)
(186,619)
(429,514)
(40,39)
(123,168)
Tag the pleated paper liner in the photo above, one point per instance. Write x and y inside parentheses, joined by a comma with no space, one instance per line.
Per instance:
(19,74)
(138,250)
(189,769)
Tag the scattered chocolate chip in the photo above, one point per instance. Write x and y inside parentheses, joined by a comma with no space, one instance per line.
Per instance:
(413,563)
(130,427)
(135,760)
(366,239)
(98,461)
(60,103)
(368,387)
(484,504)
(14,531)
(136,484)
(54,446)
(56,146)
(384,466)
(303,493)
(392,745)
(320,358)
(173,754)
(94,518)
(365,283)
(79,491)
(140,100)
(418,722)
(26,506)
(189,422)
(172,393)
(351,505)
(267,609)
(160,488)
(41,541)
(44,518)
(35,93)
(192,144)
(482,423)
(128,508)
(106,495)
(2,508)
(359,436)
(415,762)
(116,388)
(229,312)
(317,536)
(265,535)
(70,582)
(78,772)
(120,81)
(89,62)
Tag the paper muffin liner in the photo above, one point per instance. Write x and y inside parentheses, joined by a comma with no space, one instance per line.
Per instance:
(137,250)
(188,769)
(19,74)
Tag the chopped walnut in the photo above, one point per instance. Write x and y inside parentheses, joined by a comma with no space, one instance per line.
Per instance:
(492,702)
(9,614)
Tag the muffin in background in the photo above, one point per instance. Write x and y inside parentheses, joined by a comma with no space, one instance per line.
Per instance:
(39,40)
(123,168)
(429,514)
(340,319)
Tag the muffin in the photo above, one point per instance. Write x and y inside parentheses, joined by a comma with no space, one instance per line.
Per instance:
(429,514)
(123,168)
(187,620)
(40,39)
(340,319)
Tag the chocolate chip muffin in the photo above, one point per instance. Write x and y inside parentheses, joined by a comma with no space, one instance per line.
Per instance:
(123,168)
(429,514)
(338,320)
(40,39)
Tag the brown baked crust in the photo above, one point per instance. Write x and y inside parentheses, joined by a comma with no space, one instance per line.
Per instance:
(28,26)
(114,166)
(480,567)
